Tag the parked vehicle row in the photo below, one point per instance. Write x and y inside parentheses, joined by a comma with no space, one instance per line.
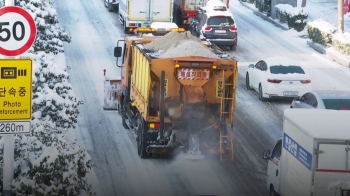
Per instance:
(140,13)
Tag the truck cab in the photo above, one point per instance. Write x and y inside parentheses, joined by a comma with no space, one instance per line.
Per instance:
(273,166)
(312,157)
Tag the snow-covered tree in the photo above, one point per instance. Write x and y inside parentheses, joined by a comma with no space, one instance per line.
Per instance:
(47,164)
(53,97)
(50,36)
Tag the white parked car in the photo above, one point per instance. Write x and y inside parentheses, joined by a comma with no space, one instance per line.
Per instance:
(277,77)
(323,99)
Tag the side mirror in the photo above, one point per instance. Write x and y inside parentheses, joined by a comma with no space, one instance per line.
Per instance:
(251,66)
(266,154)
(118,51)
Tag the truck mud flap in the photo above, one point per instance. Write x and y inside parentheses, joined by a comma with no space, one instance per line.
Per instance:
(158,149)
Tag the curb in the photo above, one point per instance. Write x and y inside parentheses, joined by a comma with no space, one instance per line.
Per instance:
(330,52)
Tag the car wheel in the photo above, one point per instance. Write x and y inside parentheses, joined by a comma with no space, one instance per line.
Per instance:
(291,106)
(247,82)
(233,48)
(261,97)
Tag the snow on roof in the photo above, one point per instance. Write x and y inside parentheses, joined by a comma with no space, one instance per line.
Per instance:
(321,123)
(213,3)
(279,60)
(165,25)
(327,94)
(220,13)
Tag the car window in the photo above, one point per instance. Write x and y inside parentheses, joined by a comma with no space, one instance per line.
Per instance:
(276,152)
(312,100)
(218,20)
(337,104)
(263,65)
(258,65)
(281,69)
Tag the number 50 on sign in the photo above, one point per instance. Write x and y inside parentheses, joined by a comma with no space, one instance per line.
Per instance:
(17,31)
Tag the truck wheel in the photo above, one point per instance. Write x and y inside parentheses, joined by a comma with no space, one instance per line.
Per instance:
(272,191)
(126,30)
(141,148)
(117,9)
(110,8)
(123,112)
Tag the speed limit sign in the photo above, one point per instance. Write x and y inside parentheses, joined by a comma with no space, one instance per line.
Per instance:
(17,30)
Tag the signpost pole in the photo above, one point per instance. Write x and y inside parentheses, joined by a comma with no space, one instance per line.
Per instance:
(9,149)
(15,82)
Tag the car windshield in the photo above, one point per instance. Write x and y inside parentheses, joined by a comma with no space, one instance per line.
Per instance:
(281,69)
(220,20)
(337,104)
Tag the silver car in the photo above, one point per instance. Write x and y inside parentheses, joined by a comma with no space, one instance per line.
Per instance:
(323,99)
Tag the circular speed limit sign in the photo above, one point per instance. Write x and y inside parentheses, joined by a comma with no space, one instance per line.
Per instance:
(17,31)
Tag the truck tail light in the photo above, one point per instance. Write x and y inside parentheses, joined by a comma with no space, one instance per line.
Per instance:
(191,14)
(305,81)
(274,81)
(132,24)
(154,125)
(207,29)
(233,30)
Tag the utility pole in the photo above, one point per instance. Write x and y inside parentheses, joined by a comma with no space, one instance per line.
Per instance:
(340,28)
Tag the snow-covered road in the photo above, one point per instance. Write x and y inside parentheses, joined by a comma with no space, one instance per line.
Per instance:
(257,125)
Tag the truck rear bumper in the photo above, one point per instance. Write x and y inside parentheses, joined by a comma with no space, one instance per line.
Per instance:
(158,149)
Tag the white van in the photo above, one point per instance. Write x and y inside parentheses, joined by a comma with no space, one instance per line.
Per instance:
(312,158)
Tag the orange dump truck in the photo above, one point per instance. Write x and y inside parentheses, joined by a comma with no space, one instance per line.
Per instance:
(177,101)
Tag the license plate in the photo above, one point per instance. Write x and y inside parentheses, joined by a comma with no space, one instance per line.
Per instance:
(220,31)
(290,93)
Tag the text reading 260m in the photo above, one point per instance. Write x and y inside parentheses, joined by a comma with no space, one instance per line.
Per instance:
(14,31)
(10,127)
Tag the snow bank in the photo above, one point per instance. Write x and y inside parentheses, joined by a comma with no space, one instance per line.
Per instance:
(292,10)
(323,26)
(342,37)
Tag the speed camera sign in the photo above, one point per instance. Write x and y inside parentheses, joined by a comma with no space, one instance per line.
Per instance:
(17,30)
